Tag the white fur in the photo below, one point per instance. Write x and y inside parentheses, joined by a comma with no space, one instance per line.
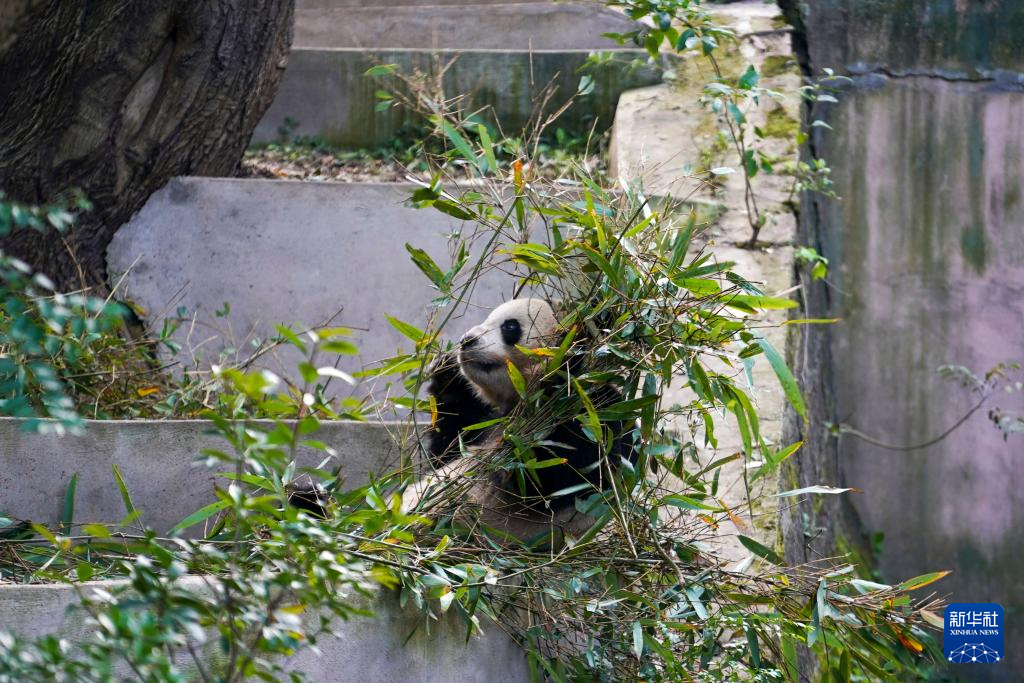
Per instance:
(485,363)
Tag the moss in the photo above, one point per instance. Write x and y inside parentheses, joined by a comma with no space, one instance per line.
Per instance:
(780,124)
(852,551)
(777,65)
(973,247)
(779,22)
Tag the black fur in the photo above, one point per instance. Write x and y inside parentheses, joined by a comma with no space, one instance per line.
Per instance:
(458,406)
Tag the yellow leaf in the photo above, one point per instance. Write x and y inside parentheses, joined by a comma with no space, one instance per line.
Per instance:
(146,391)
(921,581)
(735,520)
(517,174)
(910,643)
(707,520)
(933,619)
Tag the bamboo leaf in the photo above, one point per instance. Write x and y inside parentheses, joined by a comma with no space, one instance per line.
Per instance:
(760,550)
(813,489)
(200,515)
(460,143)
(426,264)
(789,385)
(518,381)
(638,639)
(126,498)
(921,581)
(68,512)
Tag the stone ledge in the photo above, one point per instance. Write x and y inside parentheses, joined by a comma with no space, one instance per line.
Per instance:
(326,92)
(389,646)
(159,461)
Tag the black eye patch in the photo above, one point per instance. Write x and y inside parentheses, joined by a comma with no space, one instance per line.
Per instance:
(511,332)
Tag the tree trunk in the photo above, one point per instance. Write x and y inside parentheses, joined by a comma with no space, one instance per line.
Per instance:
(116,97)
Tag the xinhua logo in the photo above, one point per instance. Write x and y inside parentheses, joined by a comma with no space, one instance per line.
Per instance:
(974,633)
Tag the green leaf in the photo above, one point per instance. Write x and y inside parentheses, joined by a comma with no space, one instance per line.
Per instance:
(921,581)
(762,302)
(426,264)
(586,85)
(407,330)
(699,286)
(638,639)
(200,515)
(749,79)
(129,507)
(592,417)
(68,513)
(755,650)
(736,114)
(485,142)
(381,70)
(340,346)
(518,381)
(96,530)
(789,386)
(680,501)
(761,551)
(452,209)
(541,464)
(460,143)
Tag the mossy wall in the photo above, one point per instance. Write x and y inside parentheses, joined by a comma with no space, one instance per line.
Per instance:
(927,268)
(928,252)
(327,93)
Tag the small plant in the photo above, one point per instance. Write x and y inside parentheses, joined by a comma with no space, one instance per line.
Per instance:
(44,335)
(638,595)
(265,580)
(686,26)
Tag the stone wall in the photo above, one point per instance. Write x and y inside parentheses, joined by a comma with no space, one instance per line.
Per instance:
(927,252)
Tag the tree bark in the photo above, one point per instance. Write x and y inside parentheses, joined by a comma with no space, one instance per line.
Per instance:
(116,97)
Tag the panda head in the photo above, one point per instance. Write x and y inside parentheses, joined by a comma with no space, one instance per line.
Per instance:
(485,350)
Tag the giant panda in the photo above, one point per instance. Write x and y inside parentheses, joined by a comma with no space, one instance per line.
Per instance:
(472,385)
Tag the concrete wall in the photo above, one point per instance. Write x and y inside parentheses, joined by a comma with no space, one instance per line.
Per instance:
(160,463)
(360,650)
(927,252)
(379,4)
(491,26)
(326,92)
(931,266)
(289,252)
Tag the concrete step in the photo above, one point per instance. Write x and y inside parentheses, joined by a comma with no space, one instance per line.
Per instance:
(326,92)
(391,645)
(159,462)
(282,251)
(382,5)
(505,56)
(487,26)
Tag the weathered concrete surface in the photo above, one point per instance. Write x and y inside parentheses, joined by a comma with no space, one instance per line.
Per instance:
(489,26)
(360,650)
(931,272)
(658,132)
(948,39)
(289,252)
(927,253)
(160,463)
(327,93)
(381,4)
(662,135)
